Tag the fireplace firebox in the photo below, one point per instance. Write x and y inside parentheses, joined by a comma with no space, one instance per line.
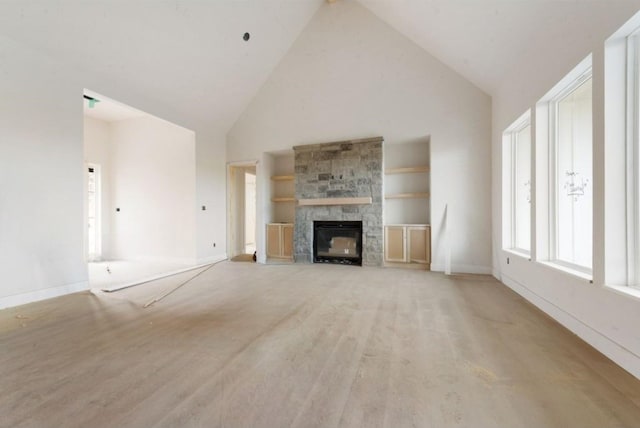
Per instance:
(337,242)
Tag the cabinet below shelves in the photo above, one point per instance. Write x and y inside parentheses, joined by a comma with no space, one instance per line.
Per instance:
(407,245)
(280,240)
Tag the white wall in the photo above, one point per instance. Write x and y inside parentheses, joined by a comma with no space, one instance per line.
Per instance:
(41,176)
(96,151)
(349,75)
(606,318)
(148,171)
(41,172)
(153,185)
(211,190)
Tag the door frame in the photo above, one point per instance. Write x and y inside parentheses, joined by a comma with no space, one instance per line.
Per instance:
(232,216)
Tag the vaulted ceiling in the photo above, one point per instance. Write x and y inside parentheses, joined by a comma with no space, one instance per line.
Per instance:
(192,53)
(184,52)
(485,39)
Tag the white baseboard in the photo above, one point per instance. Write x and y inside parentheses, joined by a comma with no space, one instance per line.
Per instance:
(152,259)
(618,354)
(47,293)
(482,270)
(212,259)
(204,262)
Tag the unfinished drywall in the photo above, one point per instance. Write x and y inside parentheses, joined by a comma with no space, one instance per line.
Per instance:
(152,190)
(349,75)
(604,317)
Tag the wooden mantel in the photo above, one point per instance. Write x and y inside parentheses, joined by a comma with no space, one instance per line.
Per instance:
(336,201)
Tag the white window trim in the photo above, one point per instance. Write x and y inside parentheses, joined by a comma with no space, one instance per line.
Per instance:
(561,90)
(567,268)
(511,132)
(622,163)
(633,158)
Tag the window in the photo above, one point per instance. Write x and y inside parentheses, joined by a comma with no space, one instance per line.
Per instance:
(570,156)
(622,160)
(632,161)
(517,152)
(633,150)
(564,182)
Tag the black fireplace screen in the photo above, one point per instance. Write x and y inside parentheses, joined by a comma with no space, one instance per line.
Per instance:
(337,242)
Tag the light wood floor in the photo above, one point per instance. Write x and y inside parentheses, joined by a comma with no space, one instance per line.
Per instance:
(248,345)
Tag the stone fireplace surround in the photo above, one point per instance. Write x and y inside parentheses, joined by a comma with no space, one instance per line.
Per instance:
(343,169)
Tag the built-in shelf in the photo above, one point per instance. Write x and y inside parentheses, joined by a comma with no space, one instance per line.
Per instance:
(282,198)
(336,201)
(282,177)
(416,195)
(406,170)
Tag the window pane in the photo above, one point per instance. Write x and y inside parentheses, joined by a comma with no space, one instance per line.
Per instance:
(522,189)
(574,198)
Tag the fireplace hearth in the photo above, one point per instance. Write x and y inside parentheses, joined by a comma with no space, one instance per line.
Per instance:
(337,242)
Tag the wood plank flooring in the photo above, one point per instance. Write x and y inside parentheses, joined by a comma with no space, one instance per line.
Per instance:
(249,345)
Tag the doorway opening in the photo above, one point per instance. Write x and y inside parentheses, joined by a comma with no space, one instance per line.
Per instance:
(242,184)
(94,219)
(140,194)
(249,212)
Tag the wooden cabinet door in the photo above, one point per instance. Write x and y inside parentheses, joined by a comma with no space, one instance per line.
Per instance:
(287,240)
(418,244)
(274,247)
(394,244)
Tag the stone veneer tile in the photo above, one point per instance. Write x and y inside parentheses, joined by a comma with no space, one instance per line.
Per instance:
(342,169)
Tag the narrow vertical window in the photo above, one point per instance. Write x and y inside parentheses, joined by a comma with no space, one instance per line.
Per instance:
(517,150)
(571,193)
(621,196)
(633,158)
(522,189)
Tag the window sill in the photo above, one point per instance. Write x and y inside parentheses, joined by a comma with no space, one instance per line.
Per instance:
(625,290)
(567,270)
(517,252)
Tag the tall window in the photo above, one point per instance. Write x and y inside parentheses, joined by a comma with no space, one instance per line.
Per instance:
(517,139)
(621,196)
(571,195)
(633,167)
(633,152)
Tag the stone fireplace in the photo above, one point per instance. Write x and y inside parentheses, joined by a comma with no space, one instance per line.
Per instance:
(340,181)
(337,242)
